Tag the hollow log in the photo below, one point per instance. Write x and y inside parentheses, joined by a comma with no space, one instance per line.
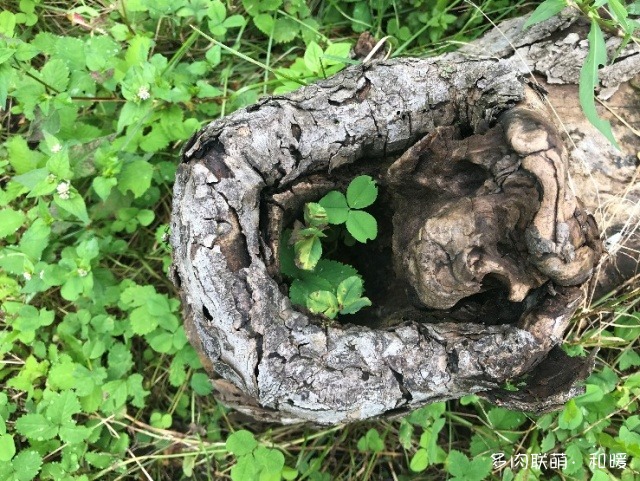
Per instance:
(495,198)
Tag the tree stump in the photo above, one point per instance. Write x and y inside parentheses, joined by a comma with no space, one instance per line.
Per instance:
(487,240)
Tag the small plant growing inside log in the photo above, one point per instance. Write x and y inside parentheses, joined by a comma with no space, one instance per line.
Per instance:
(325,286)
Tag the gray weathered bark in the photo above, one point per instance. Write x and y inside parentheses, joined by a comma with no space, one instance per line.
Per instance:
(485,244)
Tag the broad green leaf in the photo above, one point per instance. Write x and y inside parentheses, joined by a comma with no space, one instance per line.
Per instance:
(7,447)
(141,321)
(5,54)
(335,204)
(7,23)
(302,288)
(374,442)
(10,221)
(62,408)
(545,10)
(26,465)
(285,30)
(355,306)
(349,290)
(308,252)
(419,461)
(201,384)
(264,22)
(574,458)
(362,192)
(245,469)
(548,442)
(620,13)
(135,177)
(629,359)
(138,50)
(349,294)
(131,113)
(362,225)
(315,215)
(71,433)
(592,394)
(269,460)
(35,239)
(21,157)
(234,21)
(103,185)
(338,50)
(241,443)
(312,57)
(459,465)
(571,416)
(405,434)
(74,205)
(323,302)
(88,249)
(100,50)
(161,341)
(289,474)
(55,73)
(501,418)
(36,426)
(333,271)
(589,79)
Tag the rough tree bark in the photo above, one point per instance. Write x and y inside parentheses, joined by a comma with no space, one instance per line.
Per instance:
(487,245)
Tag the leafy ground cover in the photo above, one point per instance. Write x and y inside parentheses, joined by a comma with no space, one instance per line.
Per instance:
(98,380)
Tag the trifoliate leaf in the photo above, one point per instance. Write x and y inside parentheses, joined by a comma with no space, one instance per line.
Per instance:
(362,225)
(323,302)
(269,460)
(241,442)
(335,204)
(362,192)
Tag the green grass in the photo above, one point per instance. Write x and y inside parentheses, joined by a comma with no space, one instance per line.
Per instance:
(97,378)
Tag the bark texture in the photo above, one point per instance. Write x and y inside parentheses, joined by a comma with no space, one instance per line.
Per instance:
(484,245)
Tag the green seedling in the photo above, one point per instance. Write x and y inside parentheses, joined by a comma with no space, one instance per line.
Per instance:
(323,286)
